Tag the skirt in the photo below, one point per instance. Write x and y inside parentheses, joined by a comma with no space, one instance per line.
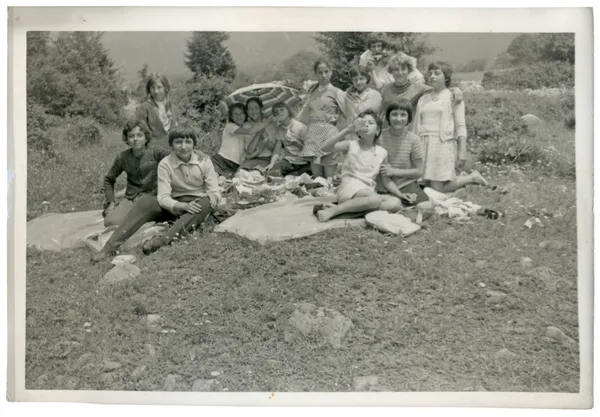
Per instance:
(257,163)
(440,158)
(316,135)
(348,189)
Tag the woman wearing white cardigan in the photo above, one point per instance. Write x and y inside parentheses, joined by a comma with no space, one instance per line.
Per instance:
(441,125)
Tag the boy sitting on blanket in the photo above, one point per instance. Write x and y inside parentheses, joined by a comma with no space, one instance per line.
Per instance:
(188,187)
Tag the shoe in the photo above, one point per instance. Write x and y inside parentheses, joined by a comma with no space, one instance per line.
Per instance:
(152,245)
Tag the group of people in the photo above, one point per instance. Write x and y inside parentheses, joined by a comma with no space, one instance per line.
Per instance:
(389,135)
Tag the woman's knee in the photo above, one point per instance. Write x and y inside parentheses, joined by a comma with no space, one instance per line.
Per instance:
(375,201)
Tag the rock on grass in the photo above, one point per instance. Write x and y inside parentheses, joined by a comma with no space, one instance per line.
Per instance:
(365,383)
(138,372)
(557,335)
(495,296)
(505,354)
(329,324)
(120,272)
(170,383)
(201,385)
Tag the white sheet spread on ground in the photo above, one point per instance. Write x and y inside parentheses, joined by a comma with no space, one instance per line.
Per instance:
(59,231)
(288,218)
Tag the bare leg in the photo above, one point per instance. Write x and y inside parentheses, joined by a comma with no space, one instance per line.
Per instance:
(365,200)
(330,171)
(459,182)
(390,203)
(317,169)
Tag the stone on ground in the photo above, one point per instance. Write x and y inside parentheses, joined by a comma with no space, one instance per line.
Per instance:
(138,372)
(557,335)
(526,262)
(495,296)
(544,275)
(365,383)
(200,385)
(326,323)
(505,354)
(120,272)
(170,383)
(153,322)
(531,119)
(111,366)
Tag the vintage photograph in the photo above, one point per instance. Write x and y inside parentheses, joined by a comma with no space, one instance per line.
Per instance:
(295,211)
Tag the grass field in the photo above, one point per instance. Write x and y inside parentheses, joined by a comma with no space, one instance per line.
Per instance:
(422,316)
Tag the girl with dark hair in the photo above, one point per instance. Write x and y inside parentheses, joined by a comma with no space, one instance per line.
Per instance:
(405,157)
(237,133)
(440,123)
(157,111)
(260,149)
(363,158)
(139,163)
(320,114)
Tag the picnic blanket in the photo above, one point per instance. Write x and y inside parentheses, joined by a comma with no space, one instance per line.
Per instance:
(59,231)
(289,218)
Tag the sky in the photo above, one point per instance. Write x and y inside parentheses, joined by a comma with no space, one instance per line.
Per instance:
(256,52)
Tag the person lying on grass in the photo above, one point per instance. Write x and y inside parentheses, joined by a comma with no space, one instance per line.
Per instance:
(405,154)
(363,160)
(188,188)
(139,163)
(237,133)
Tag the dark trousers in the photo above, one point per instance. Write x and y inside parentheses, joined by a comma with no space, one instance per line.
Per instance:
(146,209)
(287,168)
(224,167)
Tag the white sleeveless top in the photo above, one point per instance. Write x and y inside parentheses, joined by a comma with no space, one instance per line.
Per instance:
(363,165)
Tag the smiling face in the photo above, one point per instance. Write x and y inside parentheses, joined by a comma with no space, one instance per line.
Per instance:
(183,148)
(398,118)
(157,91)
(282,116)
(136,139)
(254,111)
(400,74)
(238,116)
(437,79)
(323,74)
(359,82)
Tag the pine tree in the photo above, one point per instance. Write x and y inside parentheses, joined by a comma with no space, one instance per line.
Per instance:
(208,56)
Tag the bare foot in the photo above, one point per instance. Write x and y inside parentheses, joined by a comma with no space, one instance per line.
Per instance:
(478,178)
(325,214)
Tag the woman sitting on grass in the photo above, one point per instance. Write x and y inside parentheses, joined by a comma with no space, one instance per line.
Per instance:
(157,112)
(261,149)
(186,177)
(440,123)
(236,135)
(405,157)
(139,163)
(188,189)
(362,162)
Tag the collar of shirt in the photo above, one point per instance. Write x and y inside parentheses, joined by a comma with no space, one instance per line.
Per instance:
(355,94)
(194,160)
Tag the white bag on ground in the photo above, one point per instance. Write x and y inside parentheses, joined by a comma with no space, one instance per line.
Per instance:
(394,223)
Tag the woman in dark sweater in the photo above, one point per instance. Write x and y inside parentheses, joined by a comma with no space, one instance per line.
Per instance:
(139,162)
(157,111)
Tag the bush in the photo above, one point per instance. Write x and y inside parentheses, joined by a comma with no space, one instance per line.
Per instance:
(84,132)
(72,75)
(197,102)
(536,76)
(38,140)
